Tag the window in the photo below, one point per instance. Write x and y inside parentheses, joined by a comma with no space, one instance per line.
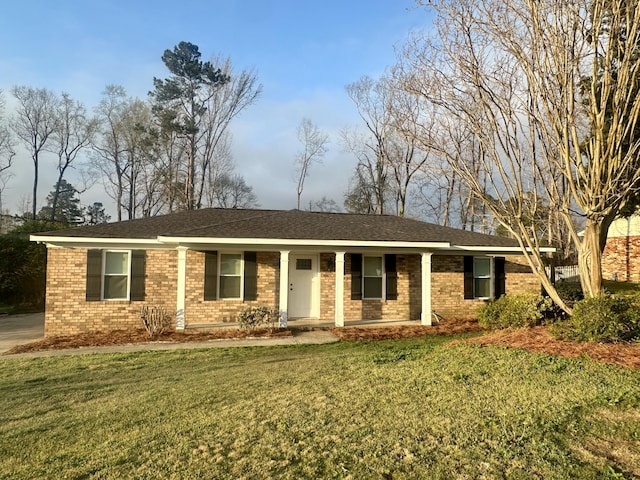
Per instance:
(116,275)
(372,277)
(303,264)
(230,285)
(482,277)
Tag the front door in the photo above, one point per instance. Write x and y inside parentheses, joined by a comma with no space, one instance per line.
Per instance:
(304,286)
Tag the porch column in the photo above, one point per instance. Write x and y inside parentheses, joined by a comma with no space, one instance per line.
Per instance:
(339,305)
(425,318)
(182,286)
(284,287)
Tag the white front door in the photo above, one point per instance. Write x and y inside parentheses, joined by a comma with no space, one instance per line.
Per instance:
(304,286)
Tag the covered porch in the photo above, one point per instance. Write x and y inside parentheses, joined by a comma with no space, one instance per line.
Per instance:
(316,288)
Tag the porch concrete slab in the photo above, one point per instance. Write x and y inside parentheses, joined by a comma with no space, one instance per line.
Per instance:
(317,323)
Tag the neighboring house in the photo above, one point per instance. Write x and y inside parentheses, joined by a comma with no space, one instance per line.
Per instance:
(621,256)
(208,265)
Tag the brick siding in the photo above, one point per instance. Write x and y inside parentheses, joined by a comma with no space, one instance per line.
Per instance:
(198,311)
(68,312)
(619,259)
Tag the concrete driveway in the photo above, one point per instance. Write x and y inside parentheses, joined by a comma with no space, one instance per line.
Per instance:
(19,329)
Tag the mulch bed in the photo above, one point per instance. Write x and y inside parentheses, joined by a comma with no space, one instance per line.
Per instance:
(125,337)
(450,327)
(539,339)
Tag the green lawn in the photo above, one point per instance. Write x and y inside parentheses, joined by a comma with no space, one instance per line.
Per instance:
(416,408)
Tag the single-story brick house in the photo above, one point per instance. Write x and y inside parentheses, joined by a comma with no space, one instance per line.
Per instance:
(621,256)
(207,265)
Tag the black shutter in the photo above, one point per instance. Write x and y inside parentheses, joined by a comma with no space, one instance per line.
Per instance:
(499,288)
(94,275)
(356,276)
(138,258)
(392,276)
(250,276)
(468,278)
(210,275)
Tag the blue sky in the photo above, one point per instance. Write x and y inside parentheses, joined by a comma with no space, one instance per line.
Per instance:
(304,52)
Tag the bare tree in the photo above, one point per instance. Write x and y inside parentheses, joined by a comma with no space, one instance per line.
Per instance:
(225,102)
(233,192)
(325,204)
(372,101)
(7,153)
(391,115)
(369,187)
(110,148)
(547,87)
(34,123)
(74,133)
(314,146)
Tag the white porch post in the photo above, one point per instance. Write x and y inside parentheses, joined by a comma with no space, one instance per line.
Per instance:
(425,318)
(339,305)
(182,286)
(284,287)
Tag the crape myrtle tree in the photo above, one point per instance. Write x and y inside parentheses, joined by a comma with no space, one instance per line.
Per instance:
(547,87)
(196,104)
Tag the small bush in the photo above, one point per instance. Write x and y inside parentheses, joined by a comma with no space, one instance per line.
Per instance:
(252,317)
(570,292)
(516,311)
(155,320)
(602,319)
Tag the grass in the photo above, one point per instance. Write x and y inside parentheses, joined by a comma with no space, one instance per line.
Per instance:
(413,408)
(620,287)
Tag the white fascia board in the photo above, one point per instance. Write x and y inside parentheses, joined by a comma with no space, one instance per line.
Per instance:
(280,242)
(81,242)
(498,249)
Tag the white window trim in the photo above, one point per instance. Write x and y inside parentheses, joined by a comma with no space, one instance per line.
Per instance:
(104,275)
(220,254)
(383,277)
(491,278)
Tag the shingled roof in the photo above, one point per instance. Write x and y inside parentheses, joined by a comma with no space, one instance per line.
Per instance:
(217,223)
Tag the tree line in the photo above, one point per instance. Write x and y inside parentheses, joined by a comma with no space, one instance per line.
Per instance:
(166,153)
(516,117)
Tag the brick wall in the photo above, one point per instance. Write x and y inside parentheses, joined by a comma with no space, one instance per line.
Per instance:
(199,311)
(67,311)
(447,289)
(619,259)
(447,284)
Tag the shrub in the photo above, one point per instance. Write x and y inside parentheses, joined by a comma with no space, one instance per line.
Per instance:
(252,317)
(570,293)
(525,310)
(602,319)
(155,320)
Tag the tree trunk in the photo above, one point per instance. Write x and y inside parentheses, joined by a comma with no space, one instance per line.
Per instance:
(590,259)
(35,187)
